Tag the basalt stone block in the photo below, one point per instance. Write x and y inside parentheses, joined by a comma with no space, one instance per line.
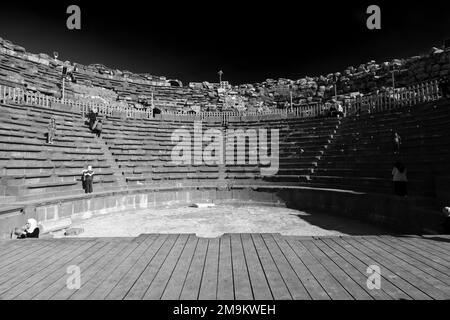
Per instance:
(262,196)
(211,194)
(164,197)
(40,214)
(110,202)
(79,206)
(130,201)
(51,212)
(241,194)
(65,210)
(224,194)
(195,195)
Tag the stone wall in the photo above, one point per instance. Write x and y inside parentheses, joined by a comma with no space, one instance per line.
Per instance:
(137,88)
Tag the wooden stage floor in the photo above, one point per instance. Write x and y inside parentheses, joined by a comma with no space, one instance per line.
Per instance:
(234,266)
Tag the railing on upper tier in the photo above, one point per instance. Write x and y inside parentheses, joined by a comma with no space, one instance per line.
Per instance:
(18,95)
(372,103)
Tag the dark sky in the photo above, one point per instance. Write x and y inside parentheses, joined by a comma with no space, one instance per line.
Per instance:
(249,40)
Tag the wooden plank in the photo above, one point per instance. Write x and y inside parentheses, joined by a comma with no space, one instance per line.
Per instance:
(387,270)
(20,251)
(431,264)
(176,281)
(48,277)
(13,246)
(135,270)
(49,267)
(438,241)
(208,287)
(102,276)
(122,269)
(191,287)
(225,287)
(424,245)
(28,261)
(333,288)
(260,286)
(294,284)
(54,282)
(91,272)
(277,285)
(145,278)
(16,277)
(361,263)
(241,279)
(357,275)
(423,281)
(355,289)
(162,277)
(428,249)
(314,288)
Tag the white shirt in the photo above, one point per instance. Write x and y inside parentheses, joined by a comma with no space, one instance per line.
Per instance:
(398,176)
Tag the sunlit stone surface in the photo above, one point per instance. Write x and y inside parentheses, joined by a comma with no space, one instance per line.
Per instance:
(213,222)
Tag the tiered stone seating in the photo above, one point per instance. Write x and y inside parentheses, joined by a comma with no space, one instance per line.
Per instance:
(301,147)
(301,143)
(29,167)
(361,156)
(142,150)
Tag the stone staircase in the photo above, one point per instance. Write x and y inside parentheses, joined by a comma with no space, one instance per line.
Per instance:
(121,182)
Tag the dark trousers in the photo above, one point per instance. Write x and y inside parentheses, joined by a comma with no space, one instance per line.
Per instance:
(88,186)
(446,226)
(400,188)
(445,89)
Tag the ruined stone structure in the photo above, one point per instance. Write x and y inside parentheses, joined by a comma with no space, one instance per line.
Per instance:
(40,72)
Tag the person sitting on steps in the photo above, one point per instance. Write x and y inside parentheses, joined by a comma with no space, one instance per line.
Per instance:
(30,230)
(98,128)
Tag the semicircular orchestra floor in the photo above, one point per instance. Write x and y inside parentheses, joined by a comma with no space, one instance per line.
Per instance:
(218,220)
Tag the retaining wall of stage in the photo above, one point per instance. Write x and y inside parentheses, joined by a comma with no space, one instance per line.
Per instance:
(402,215)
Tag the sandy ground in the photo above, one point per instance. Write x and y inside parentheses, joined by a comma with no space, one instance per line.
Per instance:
(215,221)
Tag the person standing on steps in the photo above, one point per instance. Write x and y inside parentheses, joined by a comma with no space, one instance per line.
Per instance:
(397,143)
(400,179)
(88,177)
(93,114)
(51,130)
(446,224)
(444,86)
(83,180)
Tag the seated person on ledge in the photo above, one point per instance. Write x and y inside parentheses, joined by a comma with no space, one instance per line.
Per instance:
(30,230)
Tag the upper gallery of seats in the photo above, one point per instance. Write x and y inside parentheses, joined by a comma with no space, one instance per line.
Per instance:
(42,73)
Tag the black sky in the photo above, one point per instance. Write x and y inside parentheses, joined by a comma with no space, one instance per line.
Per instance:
(249,40)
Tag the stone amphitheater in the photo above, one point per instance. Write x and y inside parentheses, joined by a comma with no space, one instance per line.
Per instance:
(309,231)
